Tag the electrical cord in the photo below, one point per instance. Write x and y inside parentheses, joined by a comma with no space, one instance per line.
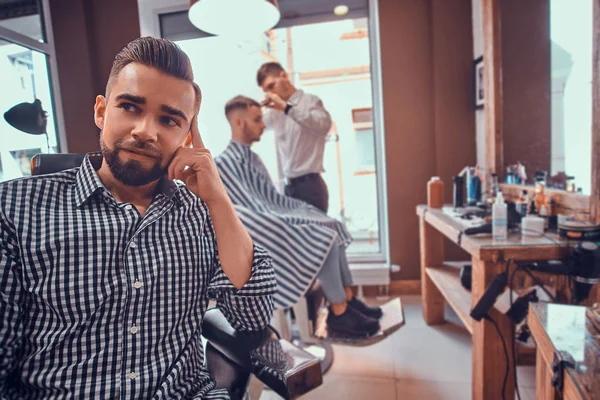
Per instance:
(512,341)
(538,282)
(505,354)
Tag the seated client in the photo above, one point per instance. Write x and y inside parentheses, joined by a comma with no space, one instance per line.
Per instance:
(303,242)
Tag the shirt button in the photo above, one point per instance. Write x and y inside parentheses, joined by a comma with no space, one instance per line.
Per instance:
(137,284)
(134,329)
(132,375)
(128,207)
(133,245)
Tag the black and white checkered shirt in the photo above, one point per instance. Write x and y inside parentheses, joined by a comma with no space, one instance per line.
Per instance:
(97,302)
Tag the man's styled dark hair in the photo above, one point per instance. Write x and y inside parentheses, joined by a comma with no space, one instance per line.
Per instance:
(240,103)
(161,54)
(270,68)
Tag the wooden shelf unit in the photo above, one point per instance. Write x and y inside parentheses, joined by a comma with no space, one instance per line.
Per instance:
(447,280)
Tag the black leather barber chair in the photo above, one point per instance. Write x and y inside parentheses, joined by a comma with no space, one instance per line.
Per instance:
(233,356)
(305,314)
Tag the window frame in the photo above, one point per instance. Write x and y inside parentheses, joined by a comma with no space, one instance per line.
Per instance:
(150,12)
(46,48)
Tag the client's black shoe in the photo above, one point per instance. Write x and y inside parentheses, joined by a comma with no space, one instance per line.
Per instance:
(369,311)
(352,323)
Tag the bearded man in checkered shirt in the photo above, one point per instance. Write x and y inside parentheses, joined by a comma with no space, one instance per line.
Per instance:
(106,270)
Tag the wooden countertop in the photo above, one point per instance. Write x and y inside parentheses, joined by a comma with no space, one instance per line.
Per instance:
(485,248)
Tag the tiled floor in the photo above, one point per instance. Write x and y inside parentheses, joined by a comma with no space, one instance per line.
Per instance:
(417,362)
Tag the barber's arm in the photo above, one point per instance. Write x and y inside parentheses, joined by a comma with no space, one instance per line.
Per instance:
(11,315)
(309,113)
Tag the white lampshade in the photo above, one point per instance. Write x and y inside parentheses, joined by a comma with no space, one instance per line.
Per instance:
(234,17)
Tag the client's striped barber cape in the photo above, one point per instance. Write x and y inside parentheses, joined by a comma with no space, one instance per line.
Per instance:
(297,235)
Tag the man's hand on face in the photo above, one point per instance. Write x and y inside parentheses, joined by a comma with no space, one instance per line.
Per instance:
(201,175)
(274,102)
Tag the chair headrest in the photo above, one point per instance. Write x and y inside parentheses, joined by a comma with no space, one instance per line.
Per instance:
(42,164)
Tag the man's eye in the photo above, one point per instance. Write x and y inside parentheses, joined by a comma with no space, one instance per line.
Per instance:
(168,121)
(129,107)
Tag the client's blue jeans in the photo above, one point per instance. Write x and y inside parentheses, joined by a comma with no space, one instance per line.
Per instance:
(335,274)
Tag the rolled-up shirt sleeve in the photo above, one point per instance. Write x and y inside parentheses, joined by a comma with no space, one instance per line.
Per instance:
(249,308)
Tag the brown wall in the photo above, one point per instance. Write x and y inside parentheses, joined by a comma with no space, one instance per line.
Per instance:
(426,58)
(525,27)
(87,35)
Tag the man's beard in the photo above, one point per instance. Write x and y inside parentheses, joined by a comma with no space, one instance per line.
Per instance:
(132,172)
(249,135)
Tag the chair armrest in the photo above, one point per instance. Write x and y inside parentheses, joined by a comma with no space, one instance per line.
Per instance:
(236,345)
(284,367)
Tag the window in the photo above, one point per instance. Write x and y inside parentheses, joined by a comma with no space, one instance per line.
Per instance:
(24,77)
(362,119)
(224,69)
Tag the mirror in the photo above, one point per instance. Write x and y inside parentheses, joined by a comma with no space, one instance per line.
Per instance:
(571,33)
(547,91)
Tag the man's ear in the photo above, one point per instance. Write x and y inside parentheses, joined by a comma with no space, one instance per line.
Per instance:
(100,111)
(238,121)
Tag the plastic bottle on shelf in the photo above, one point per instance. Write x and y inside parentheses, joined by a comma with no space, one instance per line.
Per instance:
(435,192)
(522,203)
(499,218)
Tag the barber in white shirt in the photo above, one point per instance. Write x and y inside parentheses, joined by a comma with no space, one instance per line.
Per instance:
(300,122)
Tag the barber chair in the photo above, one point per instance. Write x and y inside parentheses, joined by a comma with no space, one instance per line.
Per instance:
(233,357)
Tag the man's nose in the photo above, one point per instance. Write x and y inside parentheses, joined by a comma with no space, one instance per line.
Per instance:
(145,130)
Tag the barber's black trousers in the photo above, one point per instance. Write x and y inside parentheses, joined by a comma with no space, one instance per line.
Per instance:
(310,188)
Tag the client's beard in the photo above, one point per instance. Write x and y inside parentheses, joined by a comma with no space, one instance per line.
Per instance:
(131,172)
(248,134)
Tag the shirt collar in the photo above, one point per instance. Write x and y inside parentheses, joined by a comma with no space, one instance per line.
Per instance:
(242,149)
(246,145)
(88,182)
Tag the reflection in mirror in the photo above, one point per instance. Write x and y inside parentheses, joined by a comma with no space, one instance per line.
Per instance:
(566,329)
(546,91)
(571,92)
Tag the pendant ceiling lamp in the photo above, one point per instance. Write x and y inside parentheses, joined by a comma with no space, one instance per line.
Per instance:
(234,17)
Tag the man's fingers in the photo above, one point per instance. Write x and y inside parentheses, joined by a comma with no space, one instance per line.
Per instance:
(172,167)
(197,142)
(177,166)
(187,175)
(195,159)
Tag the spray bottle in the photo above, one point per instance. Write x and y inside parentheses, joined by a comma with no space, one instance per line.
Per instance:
(499,218)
